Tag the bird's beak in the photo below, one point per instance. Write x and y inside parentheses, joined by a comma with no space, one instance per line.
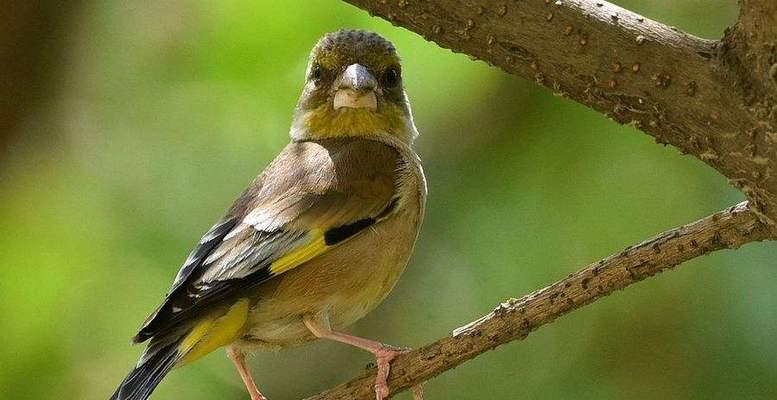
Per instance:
(355,88)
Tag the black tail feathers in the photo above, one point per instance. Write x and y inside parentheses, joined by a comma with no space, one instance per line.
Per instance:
(156,362)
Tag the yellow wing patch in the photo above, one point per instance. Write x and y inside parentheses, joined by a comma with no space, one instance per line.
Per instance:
(301,255)
(210,334)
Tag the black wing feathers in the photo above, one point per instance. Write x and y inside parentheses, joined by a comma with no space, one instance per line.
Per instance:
(162,316)
(340,233)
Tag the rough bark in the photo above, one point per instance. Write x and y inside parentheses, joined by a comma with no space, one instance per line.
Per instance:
(516,318)
(753,41)
(749,51)
(695,94)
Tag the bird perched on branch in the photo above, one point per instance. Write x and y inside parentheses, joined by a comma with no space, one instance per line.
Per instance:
(317,240)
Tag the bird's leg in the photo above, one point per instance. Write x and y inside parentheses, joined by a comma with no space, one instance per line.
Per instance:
(238,357)
(384,354)
(418,392)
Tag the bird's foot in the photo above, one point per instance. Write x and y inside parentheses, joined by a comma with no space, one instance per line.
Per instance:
(384,354)
(383,358)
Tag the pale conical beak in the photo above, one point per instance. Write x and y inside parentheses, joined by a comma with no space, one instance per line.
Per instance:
(355,88)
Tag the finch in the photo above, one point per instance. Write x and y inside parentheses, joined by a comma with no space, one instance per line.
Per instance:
(317,240)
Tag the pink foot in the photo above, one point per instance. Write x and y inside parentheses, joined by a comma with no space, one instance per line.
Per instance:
(383,358)
(383,354)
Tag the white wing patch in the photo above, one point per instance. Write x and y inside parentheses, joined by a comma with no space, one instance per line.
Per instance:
(247,253)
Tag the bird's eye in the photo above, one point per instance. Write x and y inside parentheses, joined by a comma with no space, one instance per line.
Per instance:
(315,73)
(390,78)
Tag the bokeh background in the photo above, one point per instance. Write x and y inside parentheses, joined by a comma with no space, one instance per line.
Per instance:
(129,127)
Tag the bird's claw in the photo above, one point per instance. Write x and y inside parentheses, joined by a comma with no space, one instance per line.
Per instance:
(383,358)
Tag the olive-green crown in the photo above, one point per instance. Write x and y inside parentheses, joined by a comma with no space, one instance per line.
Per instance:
(344,47)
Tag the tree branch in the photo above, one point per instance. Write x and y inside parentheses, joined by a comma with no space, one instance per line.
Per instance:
(715,100)
(685,91)
(754,42)
(515,319)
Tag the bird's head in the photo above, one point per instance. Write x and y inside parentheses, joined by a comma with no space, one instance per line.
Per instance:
(353,87)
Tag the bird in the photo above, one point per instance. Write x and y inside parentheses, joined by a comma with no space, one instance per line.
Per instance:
(316,241)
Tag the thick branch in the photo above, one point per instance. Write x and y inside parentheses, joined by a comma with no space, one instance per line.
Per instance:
(749,52)
(674,86)
(754,41)
(515,319)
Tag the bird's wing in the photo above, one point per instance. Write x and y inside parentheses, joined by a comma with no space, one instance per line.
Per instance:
(311,198)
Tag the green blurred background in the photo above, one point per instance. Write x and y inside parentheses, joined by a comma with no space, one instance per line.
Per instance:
(141,121)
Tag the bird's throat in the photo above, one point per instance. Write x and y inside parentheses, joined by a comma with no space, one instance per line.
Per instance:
(326,122)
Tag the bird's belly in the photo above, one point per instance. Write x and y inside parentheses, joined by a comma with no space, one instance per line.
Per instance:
(343,284)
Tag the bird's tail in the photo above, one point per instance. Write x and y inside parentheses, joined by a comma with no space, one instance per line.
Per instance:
(156,362)
(180,348)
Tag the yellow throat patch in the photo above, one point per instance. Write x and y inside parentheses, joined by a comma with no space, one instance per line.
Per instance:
(325,122)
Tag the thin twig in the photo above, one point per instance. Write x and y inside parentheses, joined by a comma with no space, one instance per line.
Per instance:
(515,319)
